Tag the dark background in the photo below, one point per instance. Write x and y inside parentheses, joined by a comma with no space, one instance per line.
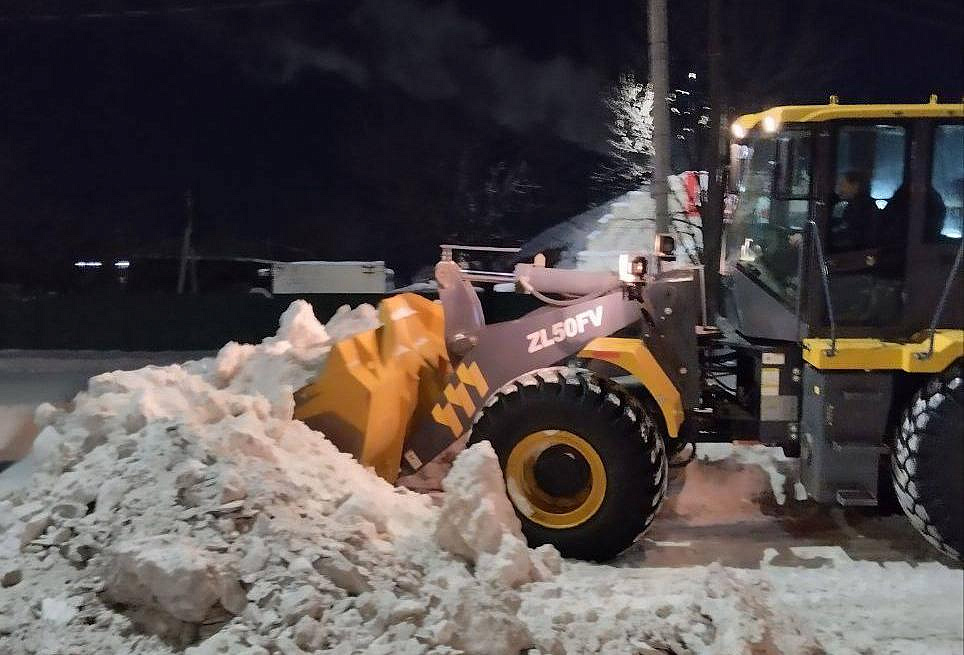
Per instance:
(377,129)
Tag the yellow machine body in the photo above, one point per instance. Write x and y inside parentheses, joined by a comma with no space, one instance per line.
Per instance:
(877,355)
(376,383)
(634,357)
(777,116)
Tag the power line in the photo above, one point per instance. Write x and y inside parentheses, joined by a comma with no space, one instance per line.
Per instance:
(163,11)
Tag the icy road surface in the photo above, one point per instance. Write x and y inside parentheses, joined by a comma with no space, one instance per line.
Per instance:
(31,377)
(736,504)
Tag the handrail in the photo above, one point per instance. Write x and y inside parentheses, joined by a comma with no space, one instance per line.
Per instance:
(801,271)
(825,279)
(955,268)
(486,276)
(474,275)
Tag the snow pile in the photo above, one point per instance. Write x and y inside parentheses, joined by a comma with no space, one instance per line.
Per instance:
(179,509)
(592,609)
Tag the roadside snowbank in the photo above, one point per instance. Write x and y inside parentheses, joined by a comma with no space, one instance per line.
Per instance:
(180,509)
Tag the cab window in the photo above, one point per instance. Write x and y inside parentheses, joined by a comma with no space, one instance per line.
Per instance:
(945,196)
(771,210)
(870,201)
(867,224)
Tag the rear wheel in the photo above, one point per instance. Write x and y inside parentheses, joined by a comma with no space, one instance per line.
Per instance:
(584,463)
(928,461)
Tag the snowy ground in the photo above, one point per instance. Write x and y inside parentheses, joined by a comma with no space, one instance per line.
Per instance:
(738,533)
(181,507)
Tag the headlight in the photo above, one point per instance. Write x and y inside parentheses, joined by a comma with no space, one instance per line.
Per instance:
(632,268)
(738,130)
(770,124)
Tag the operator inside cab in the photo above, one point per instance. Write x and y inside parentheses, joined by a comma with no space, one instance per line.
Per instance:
(854,217)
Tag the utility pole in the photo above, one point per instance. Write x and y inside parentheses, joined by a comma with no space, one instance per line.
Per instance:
(186,243)
(712,210)
(659,73)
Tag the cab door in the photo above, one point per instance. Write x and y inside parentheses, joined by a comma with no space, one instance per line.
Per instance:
(936,225)
(866,210)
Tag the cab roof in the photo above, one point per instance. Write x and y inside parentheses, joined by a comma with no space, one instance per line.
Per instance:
(776,116)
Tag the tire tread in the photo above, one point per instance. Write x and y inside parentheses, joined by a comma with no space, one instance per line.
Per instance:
(915,440)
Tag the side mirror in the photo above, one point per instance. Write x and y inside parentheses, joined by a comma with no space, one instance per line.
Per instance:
(665,248)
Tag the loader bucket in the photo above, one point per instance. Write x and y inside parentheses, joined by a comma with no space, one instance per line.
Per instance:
(375,384)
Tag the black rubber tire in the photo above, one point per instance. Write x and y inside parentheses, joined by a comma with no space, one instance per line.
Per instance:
(616,426)
(928,461)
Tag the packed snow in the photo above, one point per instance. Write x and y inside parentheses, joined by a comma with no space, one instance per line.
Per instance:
(180,509)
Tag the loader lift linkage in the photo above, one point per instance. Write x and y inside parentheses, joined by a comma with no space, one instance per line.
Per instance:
(845,354)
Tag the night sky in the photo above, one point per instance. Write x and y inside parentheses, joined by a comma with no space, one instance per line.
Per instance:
(369,129)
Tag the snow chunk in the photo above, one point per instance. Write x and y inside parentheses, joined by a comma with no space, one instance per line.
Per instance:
(58,611)
(478,523)
(158,572)
(348,321)
(300,328)
(476,512)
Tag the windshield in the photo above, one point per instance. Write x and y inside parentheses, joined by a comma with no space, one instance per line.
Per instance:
(769,210)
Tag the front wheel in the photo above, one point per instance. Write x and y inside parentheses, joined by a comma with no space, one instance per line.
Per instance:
(928,461)
(584,464)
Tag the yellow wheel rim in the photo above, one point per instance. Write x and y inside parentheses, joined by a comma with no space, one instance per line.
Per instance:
(535,502)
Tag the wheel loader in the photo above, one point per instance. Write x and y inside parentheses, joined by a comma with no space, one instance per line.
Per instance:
(838,338)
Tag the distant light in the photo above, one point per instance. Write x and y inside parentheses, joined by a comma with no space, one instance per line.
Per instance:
(691,76)
(770,124)
(88,264)
(738,130)
(122,263)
